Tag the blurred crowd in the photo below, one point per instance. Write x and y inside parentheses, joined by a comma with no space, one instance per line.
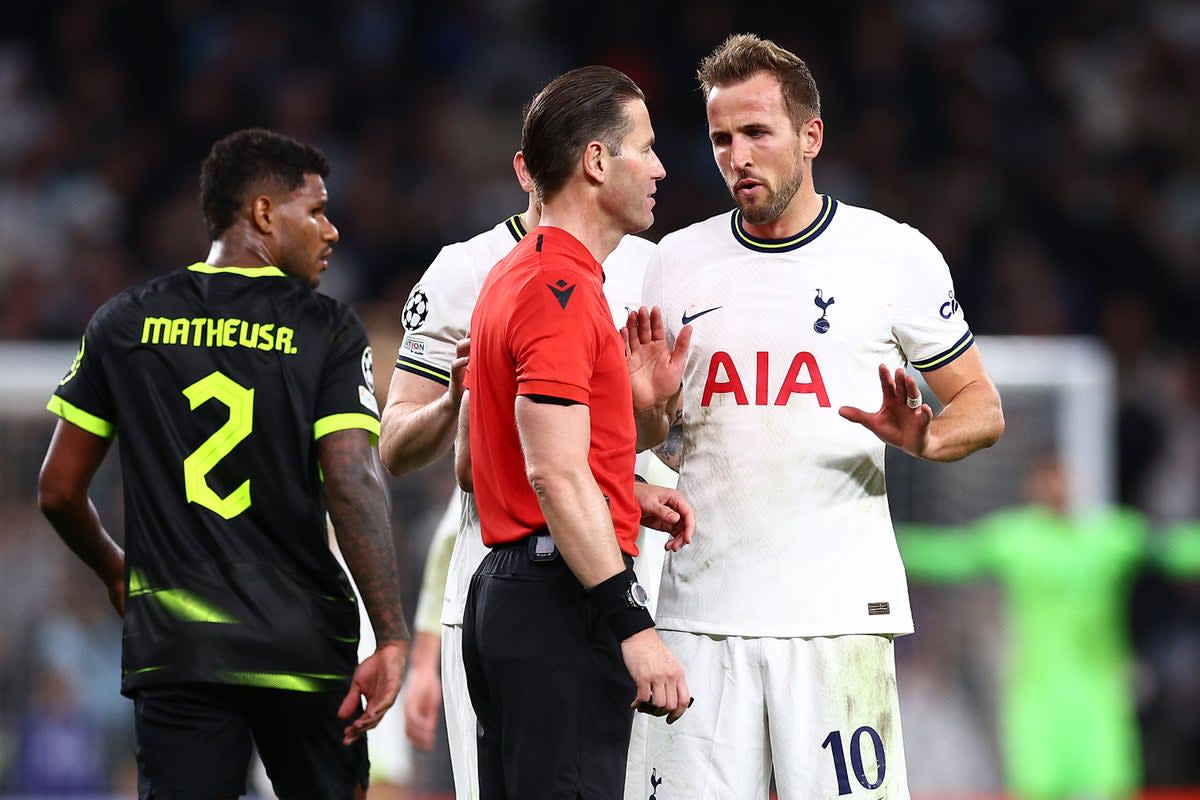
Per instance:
(1050,150)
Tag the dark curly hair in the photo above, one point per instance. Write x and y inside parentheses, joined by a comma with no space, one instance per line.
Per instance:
(252,159)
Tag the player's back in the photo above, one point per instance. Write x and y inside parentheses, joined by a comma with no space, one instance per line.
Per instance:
(219,382)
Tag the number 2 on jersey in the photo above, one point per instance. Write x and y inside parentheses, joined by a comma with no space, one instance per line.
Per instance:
(240,402)
(833,742)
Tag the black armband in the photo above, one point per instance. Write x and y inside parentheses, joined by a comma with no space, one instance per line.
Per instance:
(621,601)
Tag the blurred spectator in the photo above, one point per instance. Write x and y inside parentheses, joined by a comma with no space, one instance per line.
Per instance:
(1050,150)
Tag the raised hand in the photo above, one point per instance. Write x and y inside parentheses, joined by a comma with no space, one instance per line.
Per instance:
(903,419)
(655,368)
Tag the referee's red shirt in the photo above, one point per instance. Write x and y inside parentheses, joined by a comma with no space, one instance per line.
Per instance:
(541,326)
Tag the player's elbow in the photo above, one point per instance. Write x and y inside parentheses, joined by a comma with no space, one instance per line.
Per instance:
(55,495)
(994,424)
(462,471)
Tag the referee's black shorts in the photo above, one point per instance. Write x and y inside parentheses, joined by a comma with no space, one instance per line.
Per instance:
(194,743)
(547,681)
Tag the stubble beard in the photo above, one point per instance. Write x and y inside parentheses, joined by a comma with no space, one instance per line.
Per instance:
(777,200)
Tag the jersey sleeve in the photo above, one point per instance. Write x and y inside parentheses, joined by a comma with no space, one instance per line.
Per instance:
(942,555)
(437,568)
(436,315)
(346,398)
(83,397)
(928,321)
(555,342)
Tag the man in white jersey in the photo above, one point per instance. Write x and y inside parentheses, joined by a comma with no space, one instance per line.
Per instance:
(418,426)
(784,608)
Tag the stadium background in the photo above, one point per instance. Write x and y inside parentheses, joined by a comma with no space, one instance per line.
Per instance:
(1051,150)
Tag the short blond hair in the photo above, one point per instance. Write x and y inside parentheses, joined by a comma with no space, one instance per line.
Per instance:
(744,55)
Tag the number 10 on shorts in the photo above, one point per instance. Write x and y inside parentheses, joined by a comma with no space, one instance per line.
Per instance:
(833,743)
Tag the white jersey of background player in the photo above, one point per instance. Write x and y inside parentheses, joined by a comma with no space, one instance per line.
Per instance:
(436,317)
(783,608)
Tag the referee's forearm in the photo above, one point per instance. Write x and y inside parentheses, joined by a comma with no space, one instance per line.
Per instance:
(580,522)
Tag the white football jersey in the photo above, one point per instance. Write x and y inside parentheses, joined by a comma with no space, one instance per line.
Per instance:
(438,314)
(793,532)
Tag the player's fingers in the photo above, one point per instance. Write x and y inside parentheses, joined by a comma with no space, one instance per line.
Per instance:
(658,330)
(350,703)
(886,382)
(683,343)
(663,695)
(687,517)
(854,414)
(463,348)
(645,326)
(643,693)
(684,696)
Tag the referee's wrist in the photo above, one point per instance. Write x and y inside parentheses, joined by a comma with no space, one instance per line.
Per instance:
(616,600)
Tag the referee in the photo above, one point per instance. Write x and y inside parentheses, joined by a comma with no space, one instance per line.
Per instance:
(557,643)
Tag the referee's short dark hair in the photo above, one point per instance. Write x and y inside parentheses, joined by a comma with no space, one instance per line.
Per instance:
(248,160)
(580,106)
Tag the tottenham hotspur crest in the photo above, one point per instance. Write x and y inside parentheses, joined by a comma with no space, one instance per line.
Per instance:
(822,324)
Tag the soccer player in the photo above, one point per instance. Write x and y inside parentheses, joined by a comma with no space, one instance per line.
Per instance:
(418,426)
(1069,725)
(784,609)
(245,407)
(557,643)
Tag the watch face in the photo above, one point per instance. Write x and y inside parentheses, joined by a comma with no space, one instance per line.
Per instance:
(638,594)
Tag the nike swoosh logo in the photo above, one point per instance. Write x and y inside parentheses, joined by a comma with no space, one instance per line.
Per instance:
(687,320)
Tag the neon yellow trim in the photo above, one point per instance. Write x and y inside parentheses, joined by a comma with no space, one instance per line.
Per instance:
(417,366)
(179,602)
(190,608)
(950,354)
(515,227)
(137,584)
(245,272)
(144,669)
(77,416)
(291,681)
(812,230)
(342,422)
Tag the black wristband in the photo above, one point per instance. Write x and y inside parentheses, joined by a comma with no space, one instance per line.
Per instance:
(613,600)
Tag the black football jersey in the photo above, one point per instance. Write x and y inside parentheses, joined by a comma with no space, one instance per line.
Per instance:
(219,382)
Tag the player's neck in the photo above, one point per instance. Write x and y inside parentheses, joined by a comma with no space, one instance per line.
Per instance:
(232,250)
(799,214)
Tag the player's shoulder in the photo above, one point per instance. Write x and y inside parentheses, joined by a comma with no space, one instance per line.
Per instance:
(493,244)
(702,234)
(473,258)
(867,225)
(135,298)
(631,248)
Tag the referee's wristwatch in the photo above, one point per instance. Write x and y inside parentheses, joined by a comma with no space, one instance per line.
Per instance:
(637,596)
(621,601)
